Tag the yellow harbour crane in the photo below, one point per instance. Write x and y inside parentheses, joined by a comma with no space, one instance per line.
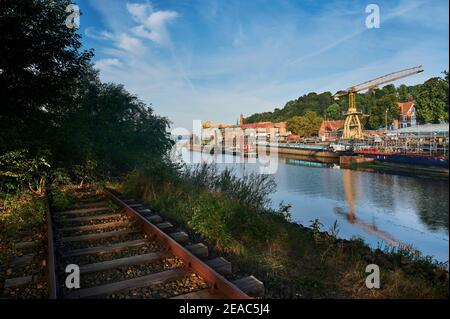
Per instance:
(352,125)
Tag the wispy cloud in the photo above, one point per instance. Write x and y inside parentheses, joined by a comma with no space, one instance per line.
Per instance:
(98,34)
(128,43)
(152,24)
(106,64)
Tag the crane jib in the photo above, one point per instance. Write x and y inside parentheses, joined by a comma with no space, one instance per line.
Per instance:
(386,79)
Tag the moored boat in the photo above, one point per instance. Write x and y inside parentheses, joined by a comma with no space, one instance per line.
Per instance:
(405,158)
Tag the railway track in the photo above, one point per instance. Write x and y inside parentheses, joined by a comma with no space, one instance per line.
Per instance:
(124,250)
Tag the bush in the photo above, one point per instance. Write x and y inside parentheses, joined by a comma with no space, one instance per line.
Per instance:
(211,215)
(20,170)
(251,190)
(60,177)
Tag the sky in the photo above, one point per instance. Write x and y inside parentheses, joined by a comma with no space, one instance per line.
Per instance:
(215,59)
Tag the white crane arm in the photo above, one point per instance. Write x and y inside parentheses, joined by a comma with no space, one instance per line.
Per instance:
(381,80)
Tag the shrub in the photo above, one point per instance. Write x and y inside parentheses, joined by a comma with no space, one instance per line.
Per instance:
(251,189)
(20,170)
(211,217)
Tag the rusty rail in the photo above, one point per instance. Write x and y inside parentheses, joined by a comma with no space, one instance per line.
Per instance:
(218,283)
(51,270)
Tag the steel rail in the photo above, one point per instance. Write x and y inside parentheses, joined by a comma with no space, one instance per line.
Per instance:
(51,269)
(218,283)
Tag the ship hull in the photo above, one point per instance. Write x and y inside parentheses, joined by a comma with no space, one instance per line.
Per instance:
(421,160)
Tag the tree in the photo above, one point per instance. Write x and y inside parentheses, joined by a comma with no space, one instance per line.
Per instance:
(305,126)
(109,129)
(40,58)
(387,89)
(445,73)
(308,102)
(333,112)
(377,116)
(432,101)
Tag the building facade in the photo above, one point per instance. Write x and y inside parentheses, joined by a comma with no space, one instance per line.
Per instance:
(407,115)
(265,128)
(331,130)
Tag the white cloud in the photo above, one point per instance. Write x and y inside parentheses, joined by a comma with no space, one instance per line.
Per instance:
(152,24)
(139,11)
(107,64)
(98,35)
(128,43)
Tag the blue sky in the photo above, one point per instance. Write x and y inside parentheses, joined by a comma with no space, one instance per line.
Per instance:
(215,59)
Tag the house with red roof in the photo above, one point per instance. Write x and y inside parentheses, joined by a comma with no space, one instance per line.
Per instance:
(265,128)
(407,114)
(329,130)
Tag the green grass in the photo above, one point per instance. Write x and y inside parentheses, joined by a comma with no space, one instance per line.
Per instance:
(61,199)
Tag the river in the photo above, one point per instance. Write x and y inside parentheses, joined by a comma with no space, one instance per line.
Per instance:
(382,209)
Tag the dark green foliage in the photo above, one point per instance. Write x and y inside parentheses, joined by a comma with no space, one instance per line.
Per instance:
(40,58)
(333,112)
(377,117)
(23,212)
(310,102)
(19,170)
(432,101)
(109,131)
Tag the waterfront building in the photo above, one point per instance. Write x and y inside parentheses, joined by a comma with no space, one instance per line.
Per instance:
(265,128)
(331,130)
(407,115)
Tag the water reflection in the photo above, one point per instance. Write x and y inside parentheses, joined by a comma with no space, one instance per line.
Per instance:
(349,195)
(349,180)
(393,209)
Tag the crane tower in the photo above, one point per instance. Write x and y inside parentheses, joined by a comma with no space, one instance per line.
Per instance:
(352,126)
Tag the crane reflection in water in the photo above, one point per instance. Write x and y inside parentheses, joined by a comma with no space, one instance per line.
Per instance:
(349,179)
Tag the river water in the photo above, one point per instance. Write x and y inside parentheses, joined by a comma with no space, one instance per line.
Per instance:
(383,209)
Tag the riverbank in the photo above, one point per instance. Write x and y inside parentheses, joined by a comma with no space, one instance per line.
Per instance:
(294,261)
